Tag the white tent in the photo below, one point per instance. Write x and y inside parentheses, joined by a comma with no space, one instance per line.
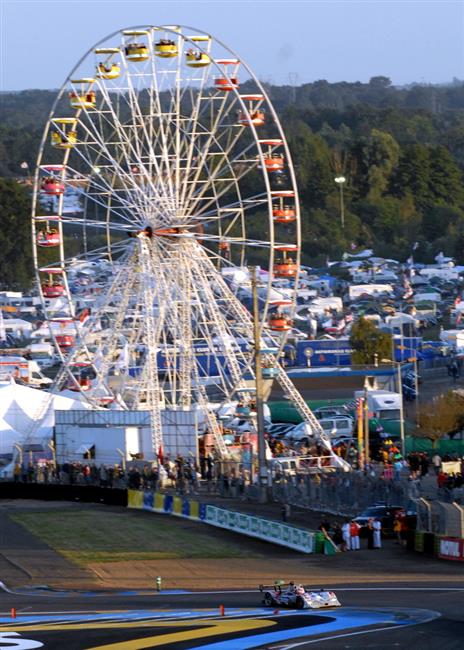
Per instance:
(25,411)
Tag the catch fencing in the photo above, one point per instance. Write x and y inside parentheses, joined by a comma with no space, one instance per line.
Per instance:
(342,493)
(440,518)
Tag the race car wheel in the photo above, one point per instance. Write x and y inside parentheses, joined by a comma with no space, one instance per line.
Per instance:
(268,600)
(299,602)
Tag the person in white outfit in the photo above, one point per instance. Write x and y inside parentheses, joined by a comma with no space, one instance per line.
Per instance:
(346,536)
(377,534)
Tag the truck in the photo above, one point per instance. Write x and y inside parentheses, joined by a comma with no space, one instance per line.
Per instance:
(382,404)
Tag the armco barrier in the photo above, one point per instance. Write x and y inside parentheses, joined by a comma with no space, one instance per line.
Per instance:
(265,529)
(270,531)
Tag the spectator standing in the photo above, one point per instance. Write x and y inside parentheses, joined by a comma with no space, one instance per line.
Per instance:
(377,526)
(436,462)
(354,534)
(346,532)
(370,534)
(397,528)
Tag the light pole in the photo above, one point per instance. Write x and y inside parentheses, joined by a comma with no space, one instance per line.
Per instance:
(341,180)
(262,464)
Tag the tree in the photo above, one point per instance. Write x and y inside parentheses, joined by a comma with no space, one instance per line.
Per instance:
(444,415)
(382,153)
(15,236)
(367,341)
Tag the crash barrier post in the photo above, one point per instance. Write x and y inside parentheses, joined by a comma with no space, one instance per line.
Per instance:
(252,526)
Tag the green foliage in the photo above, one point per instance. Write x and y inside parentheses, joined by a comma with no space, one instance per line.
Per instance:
(367,341)
(443,416)
(400,149)
(15,236)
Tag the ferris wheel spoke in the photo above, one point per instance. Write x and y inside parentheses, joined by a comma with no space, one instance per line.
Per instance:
(127,148)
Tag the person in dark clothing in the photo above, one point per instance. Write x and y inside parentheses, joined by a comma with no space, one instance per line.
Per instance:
(370,534)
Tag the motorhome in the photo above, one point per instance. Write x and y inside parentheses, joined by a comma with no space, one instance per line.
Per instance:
(23,370)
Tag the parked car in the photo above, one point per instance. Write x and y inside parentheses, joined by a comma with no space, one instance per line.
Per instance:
(338,427)
(330,411)
(386,514)
(278,430)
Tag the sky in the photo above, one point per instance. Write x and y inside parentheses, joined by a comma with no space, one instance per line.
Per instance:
(284,41)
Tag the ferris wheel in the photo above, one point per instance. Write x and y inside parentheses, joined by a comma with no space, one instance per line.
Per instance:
(162,175)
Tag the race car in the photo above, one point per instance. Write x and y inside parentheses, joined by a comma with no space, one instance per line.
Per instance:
(281,594)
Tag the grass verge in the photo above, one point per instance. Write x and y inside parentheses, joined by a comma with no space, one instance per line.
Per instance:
(88,536)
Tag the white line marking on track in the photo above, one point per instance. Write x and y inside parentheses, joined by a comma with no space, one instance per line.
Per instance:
(432,617)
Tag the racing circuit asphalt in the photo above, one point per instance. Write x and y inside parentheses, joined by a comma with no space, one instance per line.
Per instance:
(376,616)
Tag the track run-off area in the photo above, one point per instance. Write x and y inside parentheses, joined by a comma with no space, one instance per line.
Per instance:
(429,615)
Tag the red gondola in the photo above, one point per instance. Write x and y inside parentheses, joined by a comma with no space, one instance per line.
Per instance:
(52,186)
(285,268)
(48,238)
(53,290)
(280,322)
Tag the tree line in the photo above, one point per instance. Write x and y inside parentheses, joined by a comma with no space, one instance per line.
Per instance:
(401,151)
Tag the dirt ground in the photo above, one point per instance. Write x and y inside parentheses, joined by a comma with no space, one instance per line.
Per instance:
(26,560)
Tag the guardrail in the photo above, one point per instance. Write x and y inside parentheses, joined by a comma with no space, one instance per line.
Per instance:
(265,529)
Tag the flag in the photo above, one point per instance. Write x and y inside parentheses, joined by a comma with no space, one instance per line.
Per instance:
(159,454)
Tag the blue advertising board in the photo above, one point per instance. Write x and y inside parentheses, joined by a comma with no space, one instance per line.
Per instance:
(331,352)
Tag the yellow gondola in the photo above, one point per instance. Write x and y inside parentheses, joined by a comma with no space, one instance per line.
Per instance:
(136,52)
(111,71)
(84,100)
(166,48)
(65,136)
(60,141)
(196,59)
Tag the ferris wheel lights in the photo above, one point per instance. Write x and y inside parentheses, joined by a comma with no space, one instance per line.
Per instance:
(96,170)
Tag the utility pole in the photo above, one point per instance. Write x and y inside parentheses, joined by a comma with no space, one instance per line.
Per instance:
(262,463)
(400,391)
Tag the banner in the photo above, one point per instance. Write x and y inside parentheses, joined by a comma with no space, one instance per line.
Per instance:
(451,548)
